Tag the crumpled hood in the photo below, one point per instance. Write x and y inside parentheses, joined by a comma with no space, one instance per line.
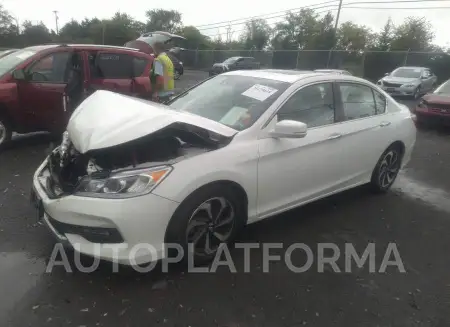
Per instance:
(107,119)
(400,80)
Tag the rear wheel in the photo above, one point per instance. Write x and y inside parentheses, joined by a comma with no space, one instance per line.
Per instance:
(387,168)
(209,217)
(5,132)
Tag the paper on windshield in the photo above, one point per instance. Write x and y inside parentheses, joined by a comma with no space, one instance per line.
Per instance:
(233,116)
(24,55)
(259,92)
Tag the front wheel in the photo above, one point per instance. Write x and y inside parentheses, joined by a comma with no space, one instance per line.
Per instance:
(417,93)
(386,170)
(209,217)
(176,75)
(5,132)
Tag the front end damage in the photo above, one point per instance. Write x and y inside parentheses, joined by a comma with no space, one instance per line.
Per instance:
(111,170)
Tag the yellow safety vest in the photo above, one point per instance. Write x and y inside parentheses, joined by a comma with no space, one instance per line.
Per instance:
(169,83)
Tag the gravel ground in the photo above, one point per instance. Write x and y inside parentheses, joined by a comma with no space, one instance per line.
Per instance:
(415,215)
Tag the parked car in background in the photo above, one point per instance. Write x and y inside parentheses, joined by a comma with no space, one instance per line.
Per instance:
(435,107)
(333,71)
(269,134)
(177,65)
(234,63)
(41,85)
(408,81)
(7,52)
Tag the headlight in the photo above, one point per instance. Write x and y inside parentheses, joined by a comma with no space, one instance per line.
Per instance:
(123,185)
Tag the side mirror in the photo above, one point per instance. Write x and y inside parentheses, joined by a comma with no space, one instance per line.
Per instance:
(19,75)
(289,129)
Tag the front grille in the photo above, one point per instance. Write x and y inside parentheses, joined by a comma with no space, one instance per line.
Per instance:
(92,234)
(392,84)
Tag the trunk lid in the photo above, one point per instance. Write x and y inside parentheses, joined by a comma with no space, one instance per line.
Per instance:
(107,119)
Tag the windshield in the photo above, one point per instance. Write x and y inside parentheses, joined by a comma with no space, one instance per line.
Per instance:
(444,88)
(9,62)
(407,72)
(233,100)
(231,60)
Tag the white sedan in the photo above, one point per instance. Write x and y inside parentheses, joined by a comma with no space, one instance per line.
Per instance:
(235,149)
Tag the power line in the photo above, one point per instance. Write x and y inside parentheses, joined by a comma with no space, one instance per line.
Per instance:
(56,20)
(272,13)
(354,7)
(306,7)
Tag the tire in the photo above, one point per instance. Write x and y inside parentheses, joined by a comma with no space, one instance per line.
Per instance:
(417,93)
(386,170)
(190,221)
(5,132)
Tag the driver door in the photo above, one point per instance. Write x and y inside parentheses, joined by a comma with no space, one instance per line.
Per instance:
(42,94)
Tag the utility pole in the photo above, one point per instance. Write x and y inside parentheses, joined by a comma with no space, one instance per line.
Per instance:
(335,31)
(56,20)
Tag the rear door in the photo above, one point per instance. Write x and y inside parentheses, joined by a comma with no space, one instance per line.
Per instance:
(110,70)
(365,128)
(43,94)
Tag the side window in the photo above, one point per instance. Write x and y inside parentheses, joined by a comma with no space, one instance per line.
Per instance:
(139,65)
(51,68)
(111,65)
(380,102)
(312,105)
(358,101)
(426,73)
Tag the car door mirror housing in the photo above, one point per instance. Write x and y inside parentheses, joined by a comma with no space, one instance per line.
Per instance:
(19,75)
(289,129)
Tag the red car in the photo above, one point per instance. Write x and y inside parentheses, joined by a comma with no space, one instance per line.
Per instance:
(41,85)
(435,107)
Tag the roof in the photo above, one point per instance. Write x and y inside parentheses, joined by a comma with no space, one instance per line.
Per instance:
(49,46)
(330,70)
(289,76)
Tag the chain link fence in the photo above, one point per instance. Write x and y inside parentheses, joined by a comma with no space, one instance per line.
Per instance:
(368,64)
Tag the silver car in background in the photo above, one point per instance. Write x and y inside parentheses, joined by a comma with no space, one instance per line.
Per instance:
(408,81)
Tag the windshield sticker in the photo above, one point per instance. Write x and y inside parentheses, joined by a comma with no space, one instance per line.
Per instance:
(259,92)
(233,116)
(24,55)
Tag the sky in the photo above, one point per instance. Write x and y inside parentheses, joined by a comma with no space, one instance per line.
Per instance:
(201,12)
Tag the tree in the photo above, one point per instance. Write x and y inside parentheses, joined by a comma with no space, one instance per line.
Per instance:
(163,20)
(9,31)
(194,39)
(35,34)
(384,39)
(415,34)
(351,36)
(257,34)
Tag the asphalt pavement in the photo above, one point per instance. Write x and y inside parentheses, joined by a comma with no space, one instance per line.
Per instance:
(415,216)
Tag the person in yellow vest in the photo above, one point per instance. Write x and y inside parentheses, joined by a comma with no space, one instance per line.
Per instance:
(163,83)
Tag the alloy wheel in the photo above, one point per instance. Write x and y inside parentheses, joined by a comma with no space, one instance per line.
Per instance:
(417,93)
(210,225)
(389,168)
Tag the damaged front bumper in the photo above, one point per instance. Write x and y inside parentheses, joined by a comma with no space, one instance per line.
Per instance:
(128,231)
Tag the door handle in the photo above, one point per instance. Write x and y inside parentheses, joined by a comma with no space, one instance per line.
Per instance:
(385,123)
(334,136)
